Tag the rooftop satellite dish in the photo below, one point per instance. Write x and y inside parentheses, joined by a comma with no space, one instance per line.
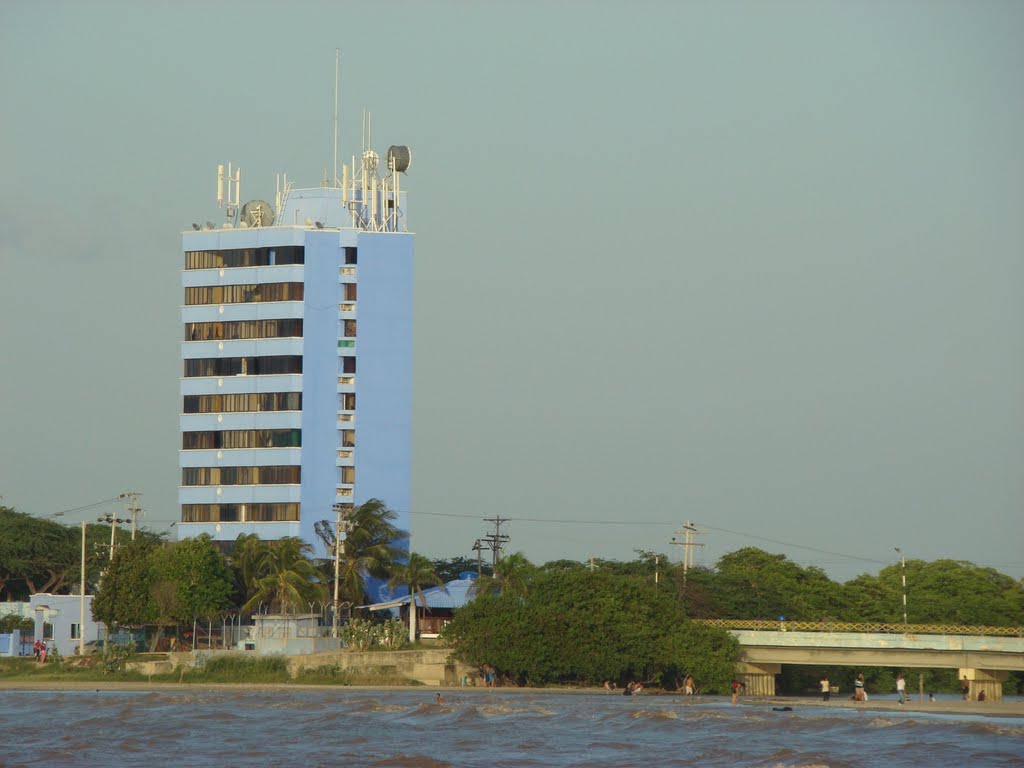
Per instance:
(399,157)
(257,213)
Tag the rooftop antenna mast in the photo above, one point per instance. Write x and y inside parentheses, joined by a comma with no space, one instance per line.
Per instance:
(232,181)
(337,61)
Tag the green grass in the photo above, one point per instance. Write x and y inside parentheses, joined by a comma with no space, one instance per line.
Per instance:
(234,669)
(29,669)
(230,668)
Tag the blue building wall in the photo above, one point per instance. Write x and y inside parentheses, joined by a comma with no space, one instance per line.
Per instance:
(384,379)
(320,382)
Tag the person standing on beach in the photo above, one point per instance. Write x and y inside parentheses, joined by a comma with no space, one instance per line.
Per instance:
(688,687)
(826,688)
(901,688)
(965,689)
(858,688)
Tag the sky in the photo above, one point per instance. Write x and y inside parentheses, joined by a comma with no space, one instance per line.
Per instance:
(756,265)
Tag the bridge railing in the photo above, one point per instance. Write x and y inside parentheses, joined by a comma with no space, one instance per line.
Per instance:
(848,626)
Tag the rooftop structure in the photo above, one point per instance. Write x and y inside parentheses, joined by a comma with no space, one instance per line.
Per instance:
(287,411)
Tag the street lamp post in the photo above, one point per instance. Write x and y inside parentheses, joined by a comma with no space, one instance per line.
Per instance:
(81,602)
(903,574)
(338,536)
(114,522)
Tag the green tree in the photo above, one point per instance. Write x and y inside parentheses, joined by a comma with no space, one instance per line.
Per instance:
(288,579)
(450,568)
(36,555)
(514,574)
(751,583)
(246,555)
(938,592)
(125,597)
(555,566)
(584,626)
(200,574)
(371,547)
(416,572)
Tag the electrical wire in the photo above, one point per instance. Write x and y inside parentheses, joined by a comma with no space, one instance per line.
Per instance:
(86,507)
(843,555)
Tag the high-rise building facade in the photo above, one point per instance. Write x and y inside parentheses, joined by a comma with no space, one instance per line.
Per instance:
(296,389)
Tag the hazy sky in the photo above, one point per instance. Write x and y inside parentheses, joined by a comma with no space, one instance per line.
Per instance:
(754,264)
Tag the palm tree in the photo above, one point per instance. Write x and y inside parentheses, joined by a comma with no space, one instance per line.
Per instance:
(285,576)
(369,549)
(418,572)
(245,558)
(512,575)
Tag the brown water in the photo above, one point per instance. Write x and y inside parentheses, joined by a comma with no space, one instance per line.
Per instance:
(405,728)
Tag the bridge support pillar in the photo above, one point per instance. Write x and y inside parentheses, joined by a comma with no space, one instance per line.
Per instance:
(759,678)
(989,681)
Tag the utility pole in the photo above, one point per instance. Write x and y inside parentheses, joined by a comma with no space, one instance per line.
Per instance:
(133,508)
(903,573)
(339,536)
(496,539)
(114,521)
(688,531)
(479,547)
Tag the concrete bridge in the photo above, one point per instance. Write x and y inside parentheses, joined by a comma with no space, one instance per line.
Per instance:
(984,655)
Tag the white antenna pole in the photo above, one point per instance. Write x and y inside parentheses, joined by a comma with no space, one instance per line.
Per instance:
(373,205)
(337,59)
(220,185)
(397,196)
(364,131)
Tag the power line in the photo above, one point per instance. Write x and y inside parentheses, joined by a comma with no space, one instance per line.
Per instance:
(797,546)
(84,508)
(843,555)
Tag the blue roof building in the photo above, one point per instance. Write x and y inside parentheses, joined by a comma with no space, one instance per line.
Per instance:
(441,603)
(296,388)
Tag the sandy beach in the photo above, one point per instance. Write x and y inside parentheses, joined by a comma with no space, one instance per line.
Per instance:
(1006,708)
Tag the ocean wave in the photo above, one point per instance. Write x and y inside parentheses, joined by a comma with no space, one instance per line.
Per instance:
(653,714)
(410,761)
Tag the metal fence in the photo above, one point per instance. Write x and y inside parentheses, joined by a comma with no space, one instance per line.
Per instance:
(824,625)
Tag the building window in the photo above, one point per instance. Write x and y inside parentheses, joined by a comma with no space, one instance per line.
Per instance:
(348,475)
(348,401)
(349,328)
(350,291)
(245,257)
(244,329)
(243,294)
(279,475)
(241,438)
(348,438)
(76,631)
(243,403)
(289,254)
(348,364)
(350,256)
(243,366)
(231,513)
